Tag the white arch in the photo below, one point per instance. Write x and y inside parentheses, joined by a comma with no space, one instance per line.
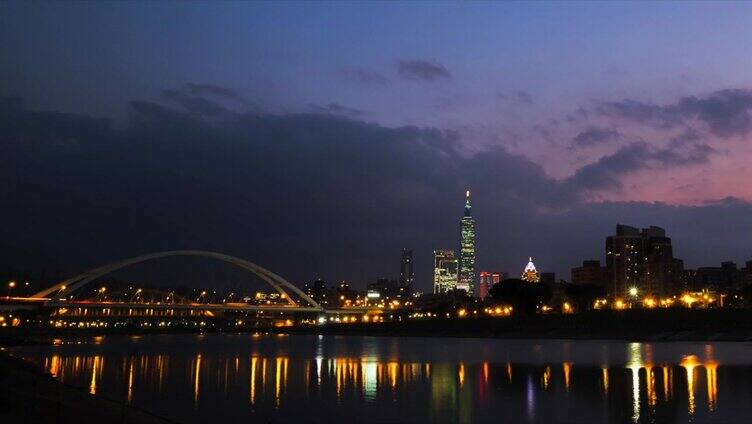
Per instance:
(269,277)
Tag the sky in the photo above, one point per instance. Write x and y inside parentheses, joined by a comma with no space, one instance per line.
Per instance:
(318,139)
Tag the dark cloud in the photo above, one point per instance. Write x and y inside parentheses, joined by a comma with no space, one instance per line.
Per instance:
(591,136)
(338,109)
(422,70)
(364,76)
(310,194)
(606,173)
(646,113)
(726,113)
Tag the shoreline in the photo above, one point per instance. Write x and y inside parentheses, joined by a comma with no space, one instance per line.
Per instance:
(36,396)
(634,325)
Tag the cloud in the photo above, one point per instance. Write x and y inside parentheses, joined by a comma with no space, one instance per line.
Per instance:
(212,90)
(591,136)
(364,76)
(725,113)
(338,109)
(315,194)
(194,104)
(422,70)
(607,171)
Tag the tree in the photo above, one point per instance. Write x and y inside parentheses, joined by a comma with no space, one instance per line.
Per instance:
(523,296)
(584,295)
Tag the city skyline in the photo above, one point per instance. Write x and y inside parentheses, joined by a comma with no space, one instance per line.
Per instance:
(301,161)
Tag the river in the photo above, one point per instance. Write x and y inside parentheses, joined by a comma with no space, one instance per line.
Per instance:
(313,378)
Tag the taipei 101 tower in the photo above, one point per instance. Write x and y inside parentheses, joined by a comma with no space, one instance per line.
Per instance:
(466,276)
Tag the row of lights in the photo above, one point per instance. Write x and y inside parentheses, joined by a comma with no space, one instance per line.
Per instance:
(9,321)
(687,299)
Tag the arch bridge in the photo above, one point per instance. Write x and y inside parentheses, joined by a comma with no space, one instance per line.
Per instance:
(55,296)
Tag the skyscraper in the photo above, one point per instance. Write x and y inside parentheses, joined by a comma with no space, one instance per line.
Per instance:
(444,271)
(467,249)
(406,270)
(530,274)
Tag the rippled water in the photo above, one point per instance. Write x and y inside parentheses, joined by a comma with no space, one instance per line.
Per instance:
(281,378)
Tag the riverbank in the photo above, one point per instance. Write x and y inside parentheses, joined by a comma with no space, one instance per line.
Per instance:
(629,325)
(29,395)
(678,324)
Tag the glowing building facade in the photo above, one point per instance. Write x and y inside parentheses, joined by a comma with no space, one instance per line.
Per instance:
(444,271)
(484,284)
(466,278)
(530,274)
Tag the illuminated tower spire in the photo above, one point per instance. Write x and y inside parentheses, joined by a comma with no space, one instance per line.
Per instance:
(530,274)
(467,203)
(466,276)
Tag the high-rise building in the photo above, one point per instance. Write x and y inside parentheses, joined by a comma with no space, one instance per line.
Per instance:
(530,274)
(407,275)
(466,276)
(444,271)
(317,291)
(484,284)
(548,277)
(486,281)
(591,272)
(641,259)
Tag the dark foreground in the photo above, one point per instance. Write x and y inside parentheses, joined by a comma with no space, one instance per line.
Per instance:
(28,394)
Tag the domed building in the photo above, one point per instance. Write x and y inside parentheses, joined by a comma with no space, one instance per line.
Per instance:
(530,274)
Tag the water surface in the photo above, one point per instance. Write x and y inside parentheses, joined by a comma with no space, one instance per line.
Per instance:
(310,378)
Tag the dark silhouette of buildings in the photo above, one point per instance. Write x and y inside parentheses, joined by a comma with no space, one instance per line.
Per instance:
(548,277)
(388,289)
(407,274)
(591,272)
(642,259)
(727,276)
(317,291)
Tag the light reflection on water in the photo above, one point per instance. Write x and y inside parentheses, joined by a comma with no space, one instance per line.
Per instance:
(269,376)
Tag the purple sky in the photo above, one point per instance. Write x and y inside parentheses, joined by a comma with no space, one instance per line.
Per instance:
(563,118)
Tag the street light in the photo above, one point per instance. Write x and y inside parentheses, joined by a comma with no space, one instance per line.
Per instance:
(633,291)
(203,293)
(10,287)
(135,295)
